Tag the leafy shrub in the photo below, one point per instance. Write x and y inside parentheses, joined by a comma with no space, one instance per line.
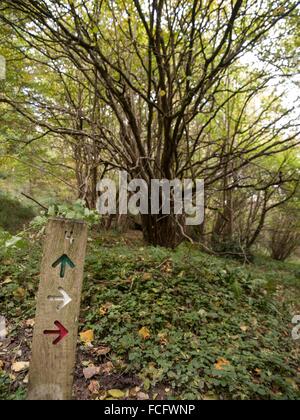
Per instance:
(5,393)
(78,210)
(10,242)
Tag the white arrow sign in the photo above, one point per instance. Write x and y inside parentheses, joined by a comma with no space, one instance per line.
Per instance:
(64,299)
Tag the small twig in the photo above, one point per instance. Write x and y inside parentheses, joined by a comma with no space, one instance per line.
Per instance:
(35,201)
(164,261)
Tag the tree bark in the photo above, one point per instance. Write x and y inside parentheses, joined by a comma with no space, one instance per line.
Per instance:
(162,230)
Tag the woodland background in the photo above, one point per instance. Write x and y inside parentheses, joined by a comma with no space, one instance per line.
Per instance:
(162,89)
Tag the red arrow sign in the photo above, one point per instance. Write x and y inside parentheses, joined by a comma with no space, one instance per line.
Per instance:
(61,332)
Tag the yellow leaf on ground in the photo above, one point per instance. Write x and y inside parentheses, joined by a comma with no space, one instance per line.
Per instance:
(19,366)
(210,397)
(116,393)
(102,395)
(20,293)
(144,333)
(221,363)
(87,336)
(244,328)
(87,363)
(167,267)
(162,338)
(105,308)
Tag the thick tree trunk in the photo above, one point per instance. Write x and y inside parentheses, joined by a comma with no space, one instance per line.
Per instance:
(162,230)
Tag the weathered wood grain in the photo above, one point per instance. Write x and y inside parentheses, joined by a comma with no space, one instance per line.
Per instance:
(52,366)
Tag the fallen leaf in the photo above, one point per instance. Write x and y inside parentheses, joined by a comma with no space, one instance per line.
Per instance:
(210,397)
(142,396)
(221,363)
(26,380)
(167,267)
(244,328)
(144,332)
(202,312)
(86,363)
(94,387)
(91,371)
(162,339)
(106,368)
(103,311)
(102,351)
(134,391)
(116,393)
(146,384)
(87,337)
(20,293)
(19,366)
(147,276)
(102,395)
(30,323)
(105,308)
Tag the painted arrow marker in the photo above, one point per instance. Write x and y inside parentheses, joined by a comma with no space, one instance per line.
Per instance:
(63,261)
(64,299)
(62,332)
(51,370)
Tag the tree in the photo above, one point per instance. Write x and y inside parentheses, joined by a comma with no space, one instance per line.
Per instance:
(284,235)
(159,68)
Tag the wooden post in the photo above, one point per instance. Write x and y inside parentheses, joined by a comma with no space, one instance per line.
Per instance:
(58,303)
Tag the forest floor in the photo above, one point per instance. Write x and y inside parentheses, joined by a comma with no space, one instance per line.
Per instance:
(163,324)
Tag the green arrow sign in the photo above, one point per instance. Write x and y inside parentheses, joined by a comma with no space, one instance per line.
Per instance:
(63,261)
